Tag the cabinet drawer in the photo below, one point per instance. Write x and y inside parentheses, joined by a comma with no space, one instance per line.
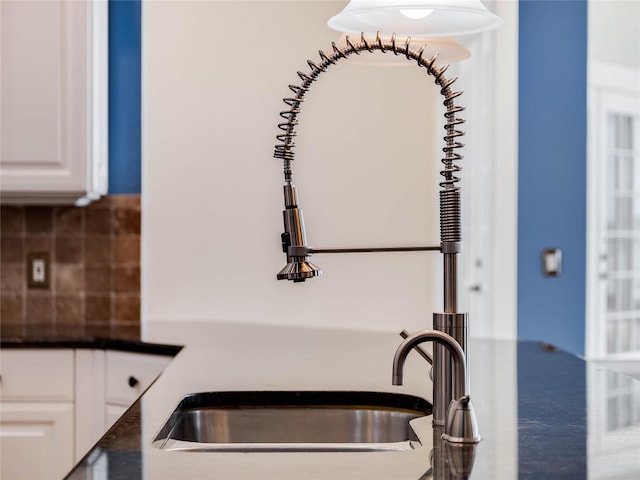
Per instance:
(34,375)
(129,374)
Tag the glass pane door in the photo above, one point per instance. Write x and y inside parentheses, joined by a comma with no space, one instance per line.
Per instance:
(622,233)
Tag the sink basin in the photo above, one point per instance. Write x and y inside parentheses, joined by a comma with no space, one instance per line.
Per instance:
(292,421)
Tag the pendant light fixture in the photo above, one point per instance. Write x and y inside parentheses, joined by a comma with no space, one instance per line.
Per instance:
(426,18)
(448,50)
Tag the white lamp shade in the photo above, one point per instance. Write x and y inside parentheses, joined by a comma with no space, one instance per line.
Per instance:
(426,18)
(447,48)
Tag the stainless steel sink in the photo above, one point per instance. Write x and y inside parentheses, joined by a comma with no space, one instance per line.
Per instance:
(292,421)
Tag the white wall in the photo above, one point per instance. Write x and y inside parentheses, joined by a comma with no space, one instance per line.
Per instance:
(214,74)
(614,36)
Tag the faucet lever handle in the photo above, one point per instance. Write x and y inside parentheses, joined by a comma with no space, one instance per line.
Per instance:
(286,241)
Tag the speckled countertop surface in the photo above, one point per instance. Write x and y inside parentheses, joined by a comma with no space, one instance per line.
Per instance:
(542,413)
(74,336)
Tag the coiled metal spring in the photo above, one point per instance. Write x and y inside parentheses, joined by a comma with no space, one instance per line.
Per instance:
(450,230)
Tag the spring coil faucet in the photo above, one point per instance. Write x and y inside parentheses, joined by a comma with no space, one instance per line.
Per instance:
(294,243)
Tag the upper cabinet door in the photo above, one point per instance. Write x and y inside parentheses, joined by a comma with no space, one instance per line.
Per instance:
(54,101)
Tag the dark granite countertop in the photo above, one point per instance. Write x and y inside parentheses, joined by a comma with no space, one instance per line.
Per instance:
(84,337)
(542,412)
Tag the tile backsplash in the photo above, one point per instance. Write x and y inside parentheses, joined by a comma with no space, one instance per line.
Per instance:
(94,257)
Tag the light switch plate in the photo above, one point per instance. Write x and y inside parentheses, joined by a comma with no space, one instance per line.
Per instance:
(552,262)
(38,270)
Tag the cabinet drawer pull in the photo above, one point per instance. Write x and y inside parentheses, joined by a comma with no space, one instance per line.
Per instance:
(133,381)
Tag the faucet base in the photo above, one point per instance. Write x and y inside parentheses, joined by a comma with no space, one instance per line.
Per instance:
(454,325)
(462,426)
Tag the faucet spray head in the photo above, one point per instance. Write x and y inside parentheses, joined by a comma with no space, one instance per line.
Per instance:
(294,241)
(298,270)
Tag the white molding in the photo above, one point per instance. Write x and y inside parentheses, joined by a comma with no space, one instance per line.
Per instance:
(613,77)
(505,204)
(594,335)
(90,399)
(98,114)
(78,197)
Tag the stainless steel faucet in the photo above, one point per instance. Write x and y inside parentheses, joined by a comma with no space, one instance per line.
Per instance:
(294,242)
(461,425)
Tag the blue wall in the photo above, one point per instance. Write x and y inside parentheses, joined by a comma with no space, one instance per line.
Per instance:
(124,96)
(552,170)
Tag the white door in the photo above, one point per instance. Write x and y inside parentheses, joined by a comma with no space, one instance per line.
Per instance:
(476,81)
(487,265)
(613,328)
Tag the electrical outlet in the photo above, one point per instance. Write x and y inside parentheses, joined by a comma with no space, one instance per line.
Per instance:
(38,267)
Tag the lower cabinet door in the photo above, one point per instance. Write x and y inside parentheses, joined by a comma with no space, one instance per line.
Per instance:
(36,439)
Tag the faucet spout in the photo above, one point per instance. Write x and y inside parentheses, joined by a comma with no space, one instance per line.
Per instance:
(460,384)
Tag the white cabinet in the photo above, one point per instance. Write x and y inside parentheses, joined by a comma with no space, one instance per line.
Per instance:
(53,82)
(128,375)
(36,414)
(37,440)
(56,404)
(107,383)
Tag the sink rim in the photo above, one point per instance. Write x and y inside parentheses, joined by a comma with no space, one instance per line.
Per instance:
(292,399)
